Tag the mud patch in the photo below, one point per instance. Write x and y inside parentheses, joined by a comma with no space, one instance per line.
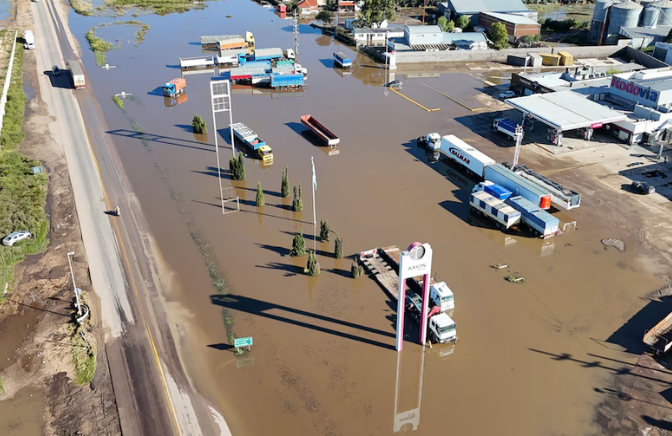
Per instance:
(21,415)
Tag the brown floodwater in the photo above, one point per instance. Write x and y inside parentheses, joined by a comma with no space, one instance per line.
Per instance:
(21,415)
(323,359)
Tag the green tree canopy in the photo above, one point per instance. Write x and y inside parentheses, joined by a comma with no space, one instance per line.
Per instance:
(442,22)
(374,12)
(499,36)
(324,16)
(450,26)
(463,22)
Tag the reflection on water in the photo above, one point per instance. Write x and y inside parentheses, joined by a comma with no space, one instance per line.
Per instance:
(5,8)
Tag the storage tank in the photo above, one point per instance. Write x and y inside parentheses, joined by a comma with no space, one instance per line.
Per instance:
(649,17)
(624,14)
(601,8)
(665,17)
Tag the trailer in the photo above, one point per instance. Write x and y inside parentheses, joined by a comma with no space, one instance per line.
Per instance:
(174,87)
(230,57)
(506,126)
(174,101)
(560,196)
(659,338)
(250,139)
(465,155)
(223,42)
(267,54)
(286,81)
(515,183)
(501,213)
(245,73)
(324,135)
(540,222)
(197,63)
(342,60)
(76,74)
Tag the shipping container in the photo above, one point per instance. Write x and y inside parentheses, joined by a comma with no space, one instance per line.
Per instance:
(504,215)
(539,221)
(232,43)
(342,60)
(245,73)
(566,59)
(287,80)
(551,60)
(518,185)
(464,154)
(497,191)
(267,54)
(535,60)
(519,61)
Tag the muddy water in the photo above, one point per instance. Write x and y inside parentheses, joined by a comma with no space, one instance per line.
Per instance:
(22,414)
(14,331)
(323,360)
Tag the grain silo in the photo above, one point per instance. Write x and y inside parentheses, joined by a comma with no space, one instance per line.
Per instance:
(624,14)
(665,17)
(599,18)
(649,16)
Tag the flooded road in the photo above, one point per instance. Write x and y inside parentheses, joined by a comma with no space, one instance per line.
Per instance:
(323,359)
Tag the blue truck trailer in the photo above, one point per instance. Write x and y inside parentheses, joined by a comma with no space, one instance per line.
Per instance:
(505,126)
(267,54)
(342,60)
(286,81)
(517,184)
(539,221)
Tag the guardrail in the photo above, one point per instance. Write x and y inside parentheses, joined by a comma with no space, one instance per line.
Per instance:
(8,79)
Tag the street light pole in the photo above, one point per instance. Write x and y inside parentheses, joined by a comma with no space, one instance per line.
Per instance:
(79,306)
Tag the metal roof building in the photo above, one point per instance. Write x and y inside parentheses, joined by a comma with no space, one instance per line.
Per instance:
(566,110)
(472,8)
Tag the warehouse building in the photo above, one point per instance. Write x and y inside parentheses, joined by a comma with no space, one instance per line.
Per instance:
(367,37)
(452,9)
(517,26)
(432,38)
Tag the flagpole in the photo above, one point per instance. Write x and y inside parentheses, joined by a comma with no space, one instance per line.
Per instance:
(314,215)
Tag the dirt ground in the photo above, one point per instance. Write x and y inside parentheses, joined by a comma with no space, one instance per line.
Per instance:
(36,319)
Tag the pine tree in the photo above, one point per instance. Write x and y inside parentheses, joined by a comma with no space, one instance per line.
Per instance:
(284,190)
(324,231)
(199,125)
(298,245)
(338,249)
(297,202)
(313,265)
(356,270)
(241,167)
(300,202)
(260,195)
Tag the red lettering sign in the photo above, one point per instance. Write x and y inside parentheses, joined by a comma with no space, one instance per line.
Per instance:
(455,152)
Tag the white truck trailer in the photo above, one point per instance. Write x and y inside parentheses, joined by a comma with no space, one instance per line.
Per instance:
(467,156)
(501,213)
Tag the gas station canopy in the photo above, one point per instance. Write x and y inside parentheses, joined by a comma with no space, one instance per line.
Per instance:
(566,110)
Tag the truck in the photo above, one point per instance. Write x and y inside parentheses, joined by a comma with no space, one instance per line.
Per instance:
(76,73)
(499,212)
(440,327)
(197,62)
(540,222)
(441,295)
(267,54)
(174,87)
(505,126)
(659,338)
(245,73)
(323,134)
(342,60)
(465,155)
(515,183)
(299,69)
(560,196)
(430,142)
(226,42)
(250,139)
(286,81)
(29,39)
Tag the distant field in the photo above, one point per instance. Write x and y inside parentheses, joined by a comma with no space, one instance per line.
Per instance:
(579,12)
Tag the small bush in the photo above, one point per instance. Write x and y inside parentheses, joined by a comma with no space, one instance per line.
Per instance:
(324,231)
(313,265)
(119,102)
(237,167)
(338,249)
(199,125)
(298,245)
(284,189)
(260,195)
(356,270)
(297,202)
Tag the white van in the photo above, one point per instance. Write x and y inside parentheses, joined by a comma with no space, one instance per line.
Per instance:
(289,54)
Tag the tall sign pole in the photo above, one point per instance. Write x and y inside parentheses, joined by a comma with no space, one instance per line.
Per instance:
(220,95)
(519,140)
(414,262)
(296,37)
(312,162)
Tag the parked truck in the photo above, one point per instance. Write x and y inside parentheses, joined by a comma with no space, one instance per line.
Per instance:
(76,73)
(560,196)
(29,39)
(267,54)
(440,327)
(496,210)
(197,62)
(540,222)
(465,155)
(342,60)
(659,338)
(286,81)
(505,126)
(174,87)
(250,139)
(506,178)
(323,134)
(430,142)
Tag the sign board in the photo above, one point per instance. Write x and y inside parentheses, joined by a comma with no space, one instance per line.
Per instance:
(596,126)
(417,261)
(242,342)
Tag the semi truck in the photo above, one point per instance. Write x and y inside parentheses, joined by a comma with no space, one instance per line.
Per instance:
(440,327)
(465,155)
(267,54)
(505,126)
(174,87)
(29,39)
(560,196)
(226,42)
(323,134)
(342,60)
(496,210)
(76,74)
(515,183)
(286,81)
(250,139)
(540,222)
(430,142)
(197,62)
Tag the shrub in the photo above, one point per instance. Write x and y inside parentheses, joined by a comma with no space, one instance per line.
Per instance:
(313,265)
(284,190)
(338,249)
(199,125)
(324,231)
(298,245)
(260,195)
(297,202)
(356,270)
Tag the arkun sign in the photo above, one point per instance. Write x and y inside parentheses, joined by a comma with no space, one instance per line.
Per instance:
(632,88)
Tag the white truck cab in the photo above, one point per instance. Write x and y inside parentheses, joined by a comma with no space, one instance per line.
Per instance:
(431,141)
(481,186)
(441,295)
(442,329)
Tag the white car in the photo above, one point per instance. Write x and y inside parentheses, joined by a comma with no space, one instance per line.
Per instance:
(507,94)
(15,237)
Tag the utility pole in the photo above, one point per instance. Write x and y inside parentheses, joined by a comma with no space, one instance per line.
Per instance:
(74,285)
(296,37)
(519,140)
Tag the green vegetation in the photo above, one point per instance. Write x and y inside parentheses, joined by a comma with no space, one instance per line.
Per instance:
(356,270)
(325,16)
(324,231)
(374,12)
(82,7)
(528,39)
(2,386)
(142,31)
(578,11)
(563,26)
(499,36)
(83,356)
(313,265)
(442,22)
(22,193)
(463,22)
(237,167)
(338,249)
(284,190)
(260,196)
(612,71)
(119,102)
(298,245)
(199,125)
(159,7)
(99,46)
(297,202)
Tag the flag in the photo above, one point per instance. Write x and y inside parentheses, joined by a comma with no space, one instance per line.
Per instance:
(314,177)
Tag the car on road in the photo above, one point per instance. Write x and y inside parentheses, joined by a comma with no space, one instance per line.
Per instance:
(55,70)
(394,84)
(642,187)
(15,237)
(507,94)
